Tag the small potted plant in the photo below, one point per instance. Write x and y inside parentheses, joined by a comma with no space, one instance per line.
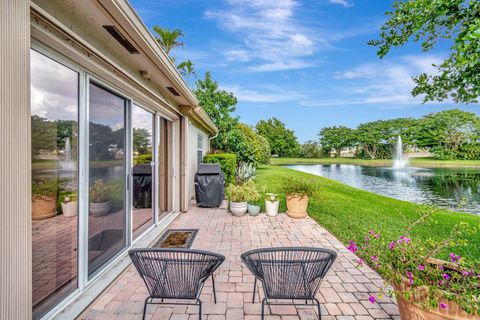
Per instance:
(69,205)
(424,286)
(239,195)
(271,204)
(253,207)
(297,192)
(100,199)
(44,199)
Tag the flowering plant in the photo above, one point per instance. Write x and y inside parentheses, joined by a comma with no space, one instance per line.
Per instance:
(411,270)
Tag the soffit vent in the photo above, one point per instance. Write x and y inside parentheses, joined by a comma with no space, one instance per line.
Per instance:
(173,91)
(121,39)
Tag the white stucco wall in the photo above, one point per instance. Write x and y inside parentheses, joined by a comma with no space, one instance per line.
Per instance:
(193,133)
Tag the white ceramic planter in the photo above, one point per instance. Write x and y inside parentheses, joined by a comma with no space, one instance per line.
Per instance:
(100,209)
(69,209)
(271,208)
(238,209)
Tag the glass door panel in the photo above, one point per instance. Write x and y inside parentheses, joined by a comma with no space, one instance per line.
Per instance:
(107,175)
(54,134)
(142,171)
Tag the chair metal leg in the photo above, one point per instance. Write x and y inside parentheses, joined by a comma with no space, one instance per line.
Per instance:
(254,290)
(199,309)
(263,308)
(145,308)
(319,310)
(213,287)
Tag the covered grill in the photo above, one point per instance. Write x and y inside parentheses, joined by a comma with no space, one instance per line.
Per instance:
(209,185)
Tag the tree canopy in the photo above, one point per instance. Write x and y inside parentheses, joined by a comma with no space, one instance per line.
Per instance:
(427,22)
(282,141)
(219,105)
(336,138)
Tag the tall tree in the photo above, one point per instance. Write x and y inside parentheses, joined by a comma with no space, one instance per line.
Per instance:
(186,69)
(427,21)
(337,138)
(219,105)
(168,39)
(141,140)
(447,130)
(282,141)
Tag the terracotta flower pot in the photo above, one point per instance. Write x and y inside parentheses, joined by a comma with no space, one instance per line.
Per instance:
(44,207)
(409,310)
(297,206)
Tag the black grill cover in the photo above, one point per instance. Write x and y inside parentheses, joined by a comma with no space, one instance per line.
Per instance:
(209,185)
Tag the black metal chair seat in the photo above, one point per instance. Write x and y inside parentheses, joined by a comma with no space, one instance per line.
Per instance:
(289,273)
(175,273)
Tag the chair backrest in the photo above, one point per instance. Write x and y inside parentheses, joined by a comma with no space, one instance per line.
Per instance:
(175,273)
(289,273)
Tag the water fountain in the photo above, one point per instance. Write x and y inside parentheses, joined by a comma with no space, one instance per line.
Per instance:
(399,160)
(68,164)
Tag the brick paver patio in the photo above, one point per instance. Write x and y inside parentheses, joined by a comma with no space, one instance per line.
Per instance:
(344,293)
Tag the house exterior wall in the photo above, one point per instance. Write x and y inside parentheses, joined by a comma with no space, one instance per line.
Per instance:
(54,27)
(15,188)
(192,159)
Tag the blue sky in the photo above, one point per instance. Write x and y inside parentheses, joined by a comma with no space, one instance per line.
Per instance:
(304,62)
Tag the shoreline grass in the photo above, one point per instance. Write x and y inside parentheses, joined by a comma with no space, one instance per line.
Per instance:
(348,213)
(415,162)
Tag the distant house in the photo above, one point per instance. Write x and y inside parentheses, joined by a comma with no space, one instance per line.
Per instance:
(89,72)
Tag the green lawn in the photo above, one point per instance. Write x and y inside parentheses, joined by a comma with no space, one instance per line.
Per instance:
(417,162)
(349,213)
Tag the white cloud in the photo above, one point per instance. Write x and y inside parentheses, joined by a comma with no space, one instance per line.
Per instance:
(280,66)
(384,82)
(273,95)
(237,55)
(266,31)
(344,3)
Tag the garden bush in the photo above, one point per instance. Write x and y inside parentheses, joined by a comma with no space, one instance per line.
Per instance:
(143,159)
(228,163)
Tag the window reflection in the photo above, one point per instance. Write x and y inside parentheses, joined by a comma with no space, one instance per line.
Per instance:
(54,134)
(107,217)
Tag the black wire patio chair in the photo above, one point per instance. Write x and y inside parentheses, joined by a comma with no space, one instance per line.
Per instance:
(175,274)
(292,273)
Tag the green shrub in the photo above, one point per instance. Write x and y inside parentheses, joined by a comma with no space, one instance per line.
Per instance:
(245,192)
(99,192)
(228,163)
(47,187)
(299,187)
(143,159)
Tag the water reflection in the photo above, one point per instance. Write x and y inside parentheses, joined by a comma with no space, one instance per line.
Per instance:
(456,189)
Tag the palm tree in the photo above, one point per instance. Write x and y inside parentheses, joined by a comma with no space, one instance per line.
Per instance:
(187,69)
(168,39)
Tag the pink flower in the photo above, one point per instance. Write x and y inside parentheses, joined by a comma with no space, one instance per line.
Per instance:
(391,245)
(443,305)
(352,246)
(372,299)
(454,258)
(404,239)
(410,277)
(445,276)
(360,262)
(421,267)
(374,258)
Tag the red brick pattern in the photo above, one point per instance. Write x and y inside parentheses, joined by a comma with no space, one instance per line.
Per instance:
(344,293)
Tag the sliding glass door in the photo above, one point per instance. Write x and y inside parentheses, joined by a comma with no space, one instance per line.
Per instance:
(108,152)
(142,170)
(54,136)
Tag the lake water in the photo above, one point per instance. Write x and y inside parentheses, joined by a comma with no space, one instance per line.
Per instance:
(455,189)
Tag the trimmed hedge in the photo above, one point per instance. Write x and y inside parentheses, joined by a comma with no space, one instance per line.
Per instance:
(228,163)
